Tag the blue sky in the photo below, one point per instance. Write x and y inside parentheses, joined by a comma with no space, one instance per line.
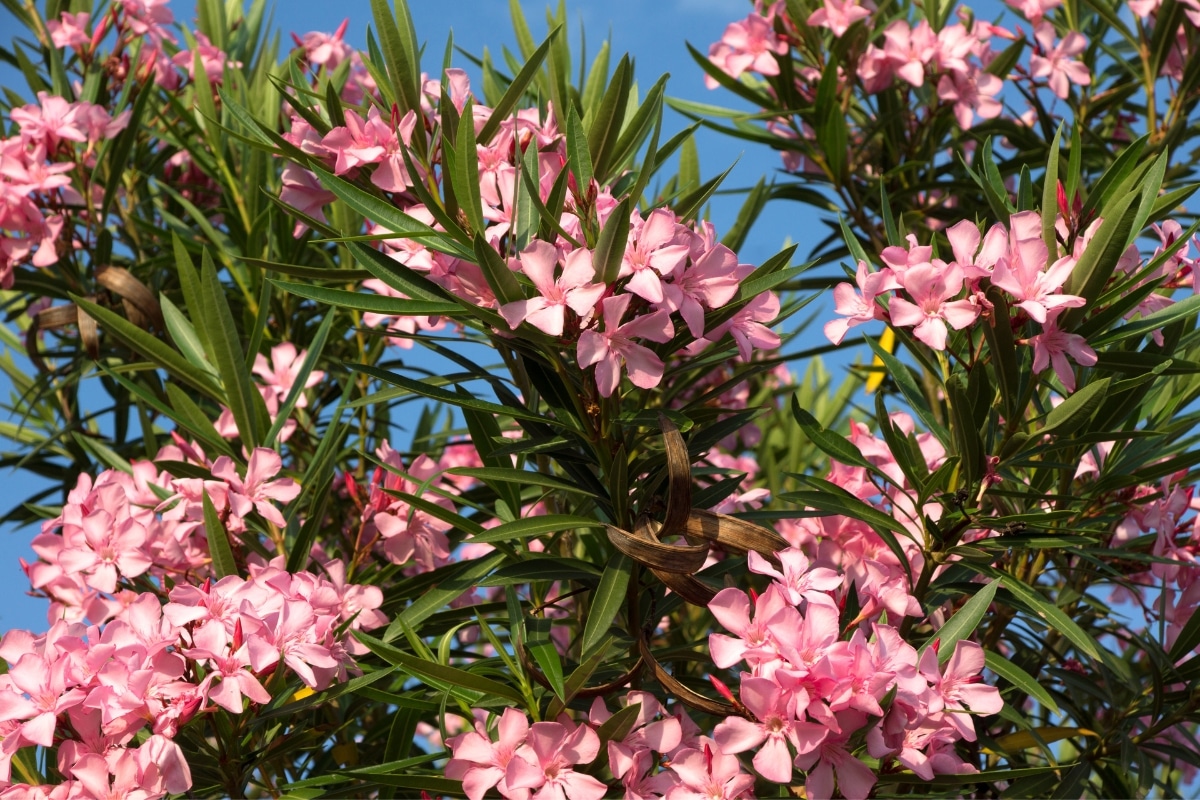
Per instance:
(654,33)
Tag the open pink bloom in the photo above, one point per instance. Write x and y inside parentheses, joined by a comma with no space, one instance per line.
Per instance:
(210,58)
(325,49)
(70,30)
(481,763)
(831,759)
(709,774)
(256,490)
(755,642)
(975,261)
(614,345)
(799,579)
(1034,10)
(910,49)
(931,289)
(1053,345)
(1020,272)
(973,93)
(748,327)
(648,734)
(960,687)
(710,282)
(281,373)
(861,307)
(228,664)
(750,44)
(555,748)
(838,15)
(1057,63)
(658,250)
(51,121)
(779,723)
(573,289)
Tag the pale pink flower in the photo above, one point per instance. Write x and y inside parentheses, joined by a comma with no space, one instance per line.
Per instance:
(710,282)
(707,773)
(779,724)
(1057,63)
(749,44)
(859,307)
(281,372)
(973,93)
(747,326)
(831,759)
(212,60)
(1034,10)
(910,49)
(838,15)
(256,490)
(325,49)
(960,687)
(614,345)
(1020,272)
(657,250)
(1053,345)
(70,30)
(481,763)
(573,289)
(555,748)
(227,663)
(931,289)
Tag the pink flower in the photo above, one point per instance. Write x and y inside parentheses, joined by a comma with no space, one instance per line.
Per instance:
(910,49)
(211,58)
(750,44)
(481,763)
(614,345)
(52,120)
(1053,345)
(70,30)
(556,748)
(324,49)
(778,714)
(281,373)
(960,688)
(831,759)
(1034,10)
(838,15)
(1055,62)
(972,93)
(657,251)
(799,579)
(1020,272)
(709,774)
(227,661)
(573,289)
(861,307)
(747,326)
(932,289)
(256,490)
(710,282)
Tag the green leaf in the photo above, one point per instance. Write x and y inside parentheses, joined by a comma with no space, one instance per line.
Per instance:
(606,601)
(1077,410)
(519,476)
(184,335)
(500,278)
(1050,614)
(610,245)
(908,387)
(534,526)
(463,577)
(1019,678)
(516,90)
(218,540)
(465,175)
(155,350)
(444,396)
(831,444)
(605,129)
(448,679)
(400,52)
(963,623)
(1050,194)
(315,349)
(1159,319)
(541,646)
(618,726)
(835,500)
(578,157)
(370,302)
(230,360)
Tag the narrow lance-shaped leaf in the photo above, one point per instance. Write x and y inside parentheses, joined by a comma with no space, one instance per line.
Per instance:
(218,540)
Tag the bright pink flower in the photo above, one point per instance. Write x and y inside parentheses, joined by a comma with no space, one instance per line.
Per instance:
(932,289)
(779,723)
(554,749)
(710,282)
(227,663)
(838,15)
(1053,345)
(755,642)
(1056,61)
(976,262)
(973,93)
(573,289)
(706,773)
(799,579)
(861,307)
(614,345)
(212,60)
(49,122)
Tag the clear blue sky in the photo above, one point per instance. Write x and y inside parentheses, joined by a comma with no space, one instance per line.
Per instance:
(654,33)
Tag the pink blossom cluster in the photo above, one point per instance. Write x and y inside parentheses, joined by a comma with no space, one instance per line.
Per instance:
(931,295)
(37,192)
(670,275)
(277,377)
(89,690)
